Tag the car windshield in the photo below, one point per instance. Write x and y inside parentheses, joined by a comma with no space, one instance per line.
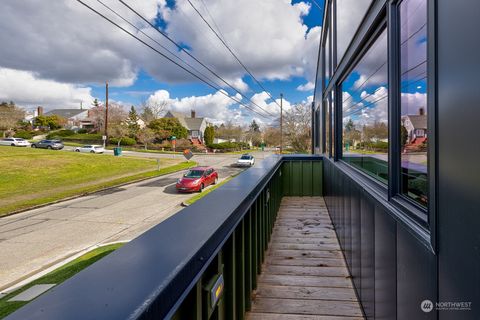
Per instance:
(246,157)
(194,174)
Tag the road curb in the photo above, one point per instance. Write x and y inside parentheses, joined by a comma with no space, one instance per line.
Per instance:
(51,266)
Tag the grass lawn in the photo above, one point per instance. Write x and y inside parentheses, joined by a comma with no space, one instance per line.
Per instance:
(199,196)
(31,177)
(57,276)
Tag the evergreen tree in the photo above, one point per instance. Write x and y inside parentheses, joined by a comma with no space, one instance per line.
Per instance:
(209,135)
(132,121)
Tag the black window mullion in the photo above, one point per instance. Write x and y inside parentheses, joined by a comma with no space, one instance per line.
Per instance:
(394,112)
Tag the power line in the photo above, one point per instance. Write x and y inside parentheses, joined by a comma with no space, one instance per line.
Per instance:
(191,55)
(158,43)
(169,59)
(230,50)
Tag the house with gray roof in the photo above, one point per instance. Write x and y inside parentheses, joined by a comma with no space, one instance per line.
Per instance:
(416,125)
(76,118)
(195,126)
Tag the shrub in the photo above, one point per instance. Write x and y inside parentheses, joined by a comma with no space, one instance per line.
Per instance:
(126,141)
(61,133)
(23,134)
(229,146)
(82,131)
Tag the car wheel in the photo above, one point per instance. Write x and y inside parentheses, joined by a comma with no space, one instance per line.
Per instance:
(49,147)
(33,146)
(13,145)
(77,150)
(92,151)
(201,188)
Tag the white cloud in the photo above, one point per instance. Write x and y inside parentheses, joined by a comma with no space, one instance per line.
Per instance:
(412,102)
(309,86)
(216,107)
(272,107)
(27,90)
(78,46)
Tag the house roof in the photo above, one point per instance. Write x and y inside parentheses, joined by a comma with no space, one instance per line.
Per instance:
(194,123)
(65,113)
(189,123)
(418,121)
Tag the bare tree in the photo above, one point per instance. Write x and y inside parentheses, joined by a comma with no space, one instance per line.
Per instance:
(297,127)
(229,131)
(10,116)
(146,136)
(151,110)
(116,116)
(271,136)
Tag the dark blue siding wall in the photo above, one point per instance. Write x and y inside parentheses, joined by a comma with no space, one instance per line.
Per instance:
(392,271)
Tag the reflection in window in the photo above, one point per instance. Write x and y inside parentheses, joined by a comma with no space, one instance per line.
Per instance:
(332,121)
(328,59)
(317,128)
(349,15)
(327,126)
(413,68)
(365,112)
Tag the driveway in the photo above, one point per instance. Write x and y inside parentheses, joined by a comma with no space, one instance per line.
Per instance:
(35,239)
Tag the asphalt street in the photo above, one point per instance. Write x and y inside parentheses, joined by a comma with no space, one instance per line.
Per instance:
(33,240)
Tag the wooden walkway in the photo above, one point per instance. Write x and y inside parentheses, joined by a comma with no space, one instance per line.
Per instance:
(304,276)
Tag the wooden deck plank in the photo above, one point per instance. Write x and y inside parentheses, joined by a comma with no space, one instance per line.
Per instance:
(304,276)
(313,307)
(309,293)
(273,316)
(306,262)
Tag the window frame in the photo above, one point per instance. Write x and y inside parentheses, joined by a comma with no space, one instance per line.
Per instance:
(424,215)
(381,26)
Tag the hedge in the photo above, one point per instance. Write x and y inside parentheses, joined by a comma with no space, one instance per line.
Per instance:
(24,134)
(124,142)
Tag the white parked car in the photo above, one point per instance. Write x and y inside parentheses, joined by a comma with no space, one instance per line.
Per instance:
(14,142)
(90,148)
(246,160)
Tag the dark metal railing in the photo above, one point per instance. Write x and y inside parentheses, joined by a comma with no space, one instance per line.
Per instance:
(201,263)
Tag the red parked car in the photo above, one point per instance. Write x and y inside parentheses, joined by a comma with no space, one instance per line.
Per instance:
(196,179)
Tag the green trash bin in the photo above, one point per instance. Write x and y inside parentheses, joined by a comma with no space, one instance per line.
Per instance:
(117,151)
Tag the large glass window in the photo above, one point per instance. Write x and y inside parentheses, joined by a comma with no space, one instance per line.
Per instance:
(332,121)
(349,15)
(326,105)
(317,128)
(413,100)
(365,112)
(328,59)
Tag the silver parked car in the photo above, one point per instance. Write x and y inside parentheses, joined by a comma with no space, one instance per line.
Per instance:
(48,144)
(90,148)
(14,142)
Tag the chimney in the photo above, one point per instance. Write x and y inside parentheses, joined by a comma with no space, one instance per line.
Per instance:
(193,113)
(39,111)
(421,111)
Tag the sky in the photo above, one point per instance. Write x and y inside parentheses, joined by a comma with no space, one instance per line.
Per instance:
(59,54)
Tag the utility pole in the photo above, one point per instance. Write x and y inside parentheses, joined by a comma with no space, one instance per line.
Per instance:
(281,123)
(106,113)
